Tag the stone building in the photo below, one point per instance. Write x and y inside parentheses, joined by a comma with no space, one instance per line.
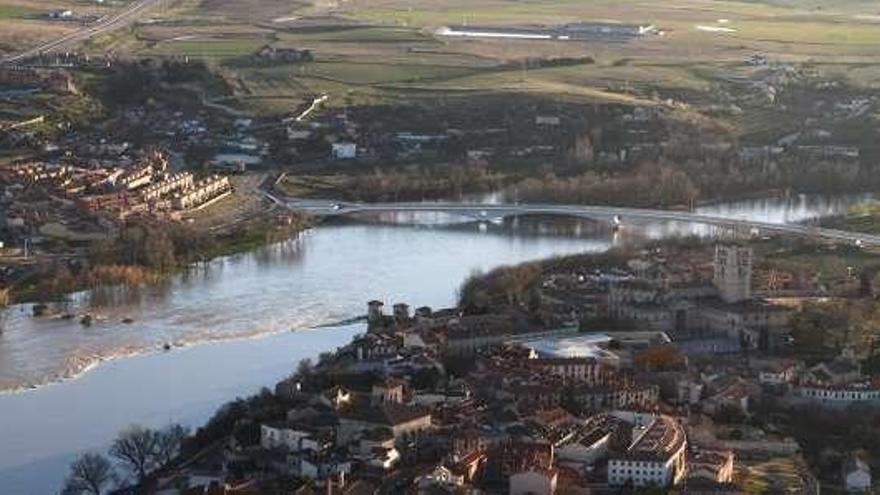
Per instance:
(733,273)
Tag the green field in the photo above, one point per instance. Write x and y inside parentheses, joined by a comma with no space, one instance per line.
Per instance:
(356,35)
(207,48)
(801,31)
(546,11)
(18,12)
(369,50)
(375,73)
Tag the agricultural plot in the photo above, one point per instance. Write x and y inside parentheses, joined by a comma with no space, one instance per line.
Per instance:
(377,73)
(368,50)
(357,34)
(209,48)
(8,11)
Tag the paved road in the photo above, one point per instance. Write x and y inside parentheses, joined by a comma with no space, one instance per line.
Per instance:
(105,24)
(604,213)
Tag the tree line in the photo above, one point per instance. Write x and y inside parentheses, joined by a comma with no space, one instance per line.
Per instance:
(135,455)
(145,252)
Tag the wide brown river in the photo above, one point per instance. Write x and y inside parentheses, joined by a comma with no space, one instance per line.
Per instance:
(67,388)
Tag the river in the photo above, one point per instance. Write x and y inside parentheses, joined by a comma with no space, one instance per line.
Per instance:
(256,315)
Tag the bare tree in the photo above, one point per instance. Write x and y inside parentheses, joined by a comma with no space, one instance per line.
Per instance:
(168,442)
(89,474)
(135,447)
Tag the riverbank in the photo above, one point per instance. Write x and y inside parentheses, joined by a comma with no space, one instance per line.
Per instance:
(802,203)
(833,287)
(36,351)
(292,284)
(161,251)
(863,218)
(324,276)
(86,413)
(182,309)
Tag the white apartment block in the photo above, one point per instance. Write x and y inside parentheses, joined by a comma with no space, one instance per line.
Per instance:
(657,456)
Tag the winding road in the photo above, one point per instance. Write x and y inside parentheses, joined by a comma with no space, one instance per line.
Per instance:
(105,24)
(601,213)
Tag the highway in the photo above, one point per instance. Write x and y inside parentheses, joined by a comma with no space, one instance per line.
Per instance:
(600,213)
(105,24)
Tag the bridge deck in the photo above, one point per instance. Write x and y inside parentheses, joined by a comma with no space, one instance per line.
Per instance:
(489,211)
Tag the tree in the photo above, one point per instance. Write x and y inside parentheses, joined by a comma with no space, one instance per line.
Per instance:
(325,358)
(730,414)
(128,84)
(304,368)
(814,327)
(159,250)
(516,280)
(168,442)
(90,473)
(426,379)
(135,447)
(472,296)
(580,152)
(659,358)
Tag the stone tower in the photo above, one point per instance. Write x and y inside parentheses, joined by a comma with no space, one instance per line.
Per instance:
(375,311)
(733,273)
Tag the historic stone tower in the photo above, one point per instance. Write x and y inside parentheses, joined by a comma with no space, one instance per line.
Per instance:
(733,273)
(375,311)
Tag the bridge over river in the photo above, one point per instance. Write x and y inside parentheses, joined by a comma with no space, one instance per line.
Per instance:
(612,214)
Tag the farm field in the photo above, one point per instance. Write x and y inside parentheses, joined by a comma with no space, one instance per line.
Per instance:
(390,50)
(26,22)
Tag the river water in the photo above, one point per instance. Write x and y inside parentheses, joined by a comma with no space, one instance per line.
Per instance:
(243,308)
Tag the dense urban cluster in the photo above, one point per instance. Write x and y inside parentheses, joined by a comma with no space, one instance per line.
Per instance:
(149,138)
(448,401)
(97,198)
